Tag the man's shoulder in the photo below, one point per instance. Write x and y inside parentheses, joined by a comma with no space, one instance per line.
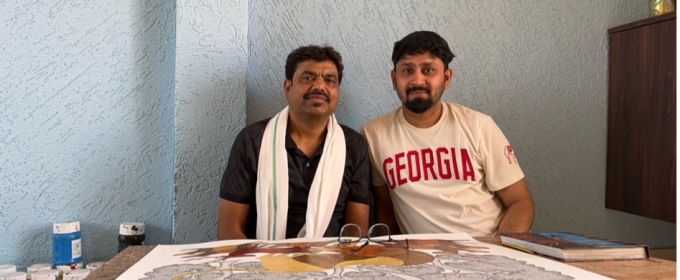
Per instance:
(348,131)
(465,114)
(381,121)
(351,135)
(455,107)
(258,125)
(256,129)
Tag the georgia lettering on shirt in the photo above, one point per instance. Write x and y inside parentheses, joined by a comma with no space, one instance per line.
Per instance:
(428,164)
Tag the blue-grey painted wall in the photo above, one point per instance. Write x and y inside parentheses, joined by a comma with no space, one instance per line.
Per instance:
(212,45)
(86,123)
(125,111)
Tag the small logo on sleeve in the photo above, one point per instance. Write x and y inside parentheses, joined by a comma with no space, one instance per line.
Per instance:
(510,154)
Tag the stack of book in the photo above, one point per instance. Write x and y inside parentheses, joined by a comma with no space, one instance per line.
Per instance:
(574,247)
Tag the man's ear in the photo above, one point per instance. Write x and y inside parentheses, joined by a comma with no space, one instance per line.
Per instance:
(448,74)
(394,81)
(286,87)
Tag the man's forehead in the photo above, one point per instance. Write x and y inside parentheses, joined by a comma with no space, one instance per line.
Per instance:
(419,58)
(315,66)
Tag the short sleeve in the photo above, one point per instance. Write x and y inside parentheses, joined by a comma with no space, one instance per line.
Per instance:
(375,174)
(359,183)
(239,178)
(499,160)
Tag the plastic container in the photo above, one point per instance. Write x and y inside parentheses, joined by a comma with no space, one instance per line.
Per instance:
(30,270)
(13,276)
(66,268)
(66,243)
(94,265)
(7,268)
(51,274)
(77,274)
(130,234)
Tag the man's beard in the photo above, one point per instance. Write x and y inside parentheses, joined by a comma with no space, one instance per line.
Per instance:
(419,105)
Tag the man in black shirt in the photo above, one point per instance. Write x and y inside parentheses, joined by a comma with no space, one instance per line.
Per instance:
(299,174)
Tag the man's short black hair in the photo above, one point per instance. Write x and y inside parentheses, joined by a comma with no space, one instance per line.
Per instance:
(420,42)
(318,53)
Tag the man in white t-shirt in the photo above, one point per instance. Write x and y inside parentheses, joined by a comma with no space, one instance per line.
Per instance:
(439,167)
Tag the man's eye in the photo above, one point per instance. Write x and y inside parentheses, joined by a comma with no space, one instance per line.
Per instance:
(331,81)
(428,70)
(407,71)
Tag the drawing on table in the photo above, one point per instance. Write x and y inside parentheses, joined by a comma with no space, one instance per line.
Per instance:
(449,256)
(306,256)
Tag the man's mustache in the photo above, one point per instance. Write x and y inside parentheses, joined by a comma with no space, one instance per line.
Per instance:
(426,89)
(311,93)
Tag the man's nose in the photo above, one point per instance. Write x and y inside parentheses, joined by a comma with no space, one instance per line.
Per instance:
(319,84)
(418,79)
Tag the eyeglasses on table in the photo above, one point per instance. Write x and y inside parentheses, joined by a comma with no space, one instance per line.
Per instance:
(378,233)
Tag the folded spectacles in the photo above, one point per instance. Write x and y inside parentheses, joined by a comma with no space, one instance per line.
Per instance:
(378,233)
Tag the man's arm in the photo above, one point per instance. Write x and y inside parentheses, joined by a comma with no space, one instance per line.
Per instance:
(357,207)
(231,220)
(357,213)
(237,189)
(384,211)
(519,208)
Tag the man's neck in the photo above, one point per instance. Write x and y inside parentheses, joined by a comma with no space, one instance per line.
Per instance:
(307,134)
(425,119)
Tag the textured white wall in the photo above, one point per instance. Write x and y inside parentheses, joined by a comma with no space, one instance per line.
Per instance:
(86,119)
(538,67)
(209,110)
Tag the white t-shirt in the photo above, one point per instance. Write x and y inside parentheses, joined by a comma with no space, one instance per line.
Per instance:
(443,178)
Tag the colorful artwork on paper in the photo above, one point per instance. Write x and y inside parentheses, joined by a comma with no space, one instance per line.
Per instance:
(430,256)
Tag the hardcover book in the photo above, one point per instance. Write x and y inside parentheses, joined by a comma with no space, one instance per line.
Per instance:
(574,247)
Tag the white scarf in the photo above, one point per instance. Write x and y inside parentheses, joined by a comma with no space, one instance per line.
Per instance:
(272,181)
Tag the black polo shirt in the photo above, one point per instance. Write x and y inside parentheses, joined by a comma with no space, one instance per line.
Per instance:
(240,177)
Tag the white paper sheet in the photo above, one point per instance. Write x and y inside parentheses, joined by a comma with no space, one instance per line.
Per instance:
(473,260)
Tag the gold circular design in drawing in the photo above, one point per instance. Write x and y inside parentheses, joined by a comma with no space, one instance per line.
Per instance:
(283,263)
(372,261)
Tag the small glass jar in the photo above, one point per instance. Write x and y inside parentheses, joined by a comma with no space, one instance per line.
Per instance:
(130,234)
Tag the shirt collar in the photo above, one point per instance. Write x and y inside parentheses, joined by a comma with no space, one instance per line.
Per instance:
(290,144)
